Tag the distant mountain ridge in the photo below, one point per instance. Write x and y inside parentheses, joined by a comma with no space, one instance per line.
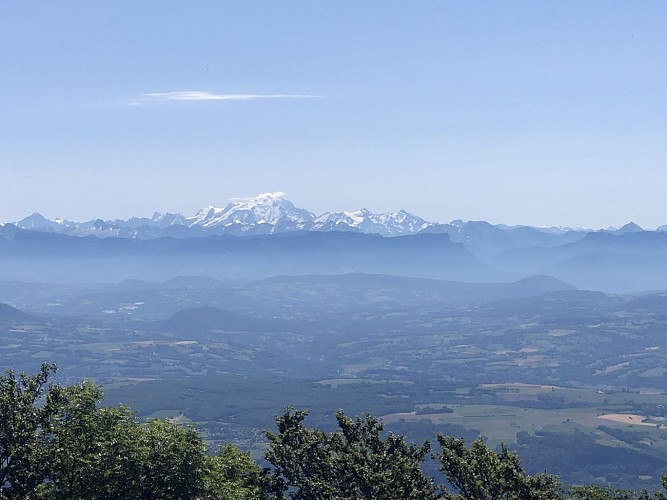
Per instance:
(615,261)
(267,213)
(273,213)
(57,257)
(268,235)
(386,224)
(9,314)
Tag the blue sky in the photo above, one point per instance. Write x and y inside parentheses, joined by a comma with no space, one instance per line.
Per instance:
(519,112)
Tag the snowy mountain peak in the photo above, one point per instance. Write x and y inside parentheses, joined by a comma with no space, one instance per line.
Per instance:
(269,213)
(264,213)
(263,199)
(386,224)
(166,220)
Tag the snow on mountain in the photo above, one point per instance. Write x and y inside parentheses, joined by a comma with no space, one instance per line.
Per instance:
(158,220)
(265,213)
(271,213)
(386,224)
(401,222)
(101,228)
(166,220)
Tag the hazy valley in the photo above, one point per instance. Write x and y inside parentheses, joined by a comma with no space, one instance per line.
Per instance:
(550,341)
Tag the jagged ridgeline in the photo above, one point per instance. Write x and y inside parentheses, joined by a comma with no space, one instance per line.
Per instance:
(241,239)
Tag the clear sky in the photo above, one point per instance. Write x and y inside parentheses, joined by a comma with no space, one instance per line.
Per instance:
(521,112)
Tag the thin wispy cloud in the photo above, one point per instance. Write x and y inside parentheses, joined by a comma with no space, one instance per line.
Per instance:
(197,95)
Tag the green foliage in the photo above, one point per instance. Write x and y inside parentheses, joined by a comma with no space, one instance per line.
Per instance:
(90,450)
(60,444)
(663,482)
(599,493)
(300,457)
(22,423)
(355,461)
(479,473)
(106,453)
(171,460)
(232,475)
(64,446)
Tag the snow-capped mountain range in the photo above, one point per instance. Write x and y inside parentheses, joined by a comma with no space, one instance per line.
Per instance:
(272,213)
(386,224)
(267,213)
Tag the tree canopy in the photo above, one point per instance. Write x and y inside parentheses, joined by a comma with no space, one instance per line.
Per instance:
(355,461)
(60,443)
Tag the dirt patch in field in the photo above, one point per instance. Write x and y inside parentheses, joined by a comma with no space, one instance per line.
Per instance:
(625,418)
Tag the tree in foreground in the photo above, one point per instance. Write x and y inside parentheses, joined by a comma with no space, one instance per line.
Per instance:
(354,462)
(479,473)
(600,493)
(22,423)
(231,474)
(60,444)
(91,452)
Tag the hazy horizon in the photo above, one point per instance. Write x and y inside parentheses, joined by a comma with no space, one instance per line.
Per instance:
(516,112)
(283,195)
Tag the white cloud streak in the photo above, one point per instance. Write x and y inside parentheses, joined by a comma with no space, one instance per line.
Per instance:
(196,95)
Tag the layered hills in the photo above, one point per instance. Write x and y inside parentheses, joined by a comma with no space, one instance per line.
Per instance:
(264,236)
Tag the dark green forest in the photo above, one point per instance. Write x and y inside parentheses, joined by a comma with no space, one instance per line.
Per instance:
(59,442)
